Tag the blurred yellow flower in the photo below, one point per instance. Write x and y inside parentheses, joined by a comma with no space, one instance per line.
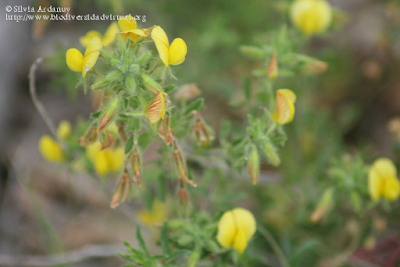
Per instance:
(83,63)
(64,130)
(50,149)
(382,180)
(235,228)
(156,216)
(106,40)
(173,54)
(156,110)
(311,16)
(129,29)
(285,109)
(106,160)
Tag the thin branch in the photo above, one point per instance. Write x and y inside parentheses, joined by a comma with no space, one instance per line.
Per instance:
(73,256)
(39,106)
(278,251)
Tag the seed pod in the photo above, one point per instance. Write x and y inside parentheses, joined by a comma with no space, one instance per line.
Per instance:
(109,114)
(324,205)
(130,85)
(150,84)
(272,68)
(253,165)
(123,190)
(271,154)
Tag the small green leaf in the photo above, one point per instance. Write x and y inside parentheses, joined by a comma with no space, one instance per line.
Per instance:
(95,115)
(198,104)
(177,255)
(129,145)
(247,87)
(140,239)
(164,239)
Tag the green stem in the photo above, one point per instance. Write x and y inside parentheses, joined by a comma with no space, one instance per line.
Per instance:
(270,239)
(135,113)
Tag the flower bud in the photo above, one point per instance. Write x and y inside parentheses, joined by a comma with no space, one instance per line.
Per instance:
(123,190)
(135,161)
(134,69)
(253,165)
(50,149)
(271,154)
(114,76)
(285,108)
(203,134)
(89,137)
(107,138)
(253,52)
(100,84)
(165,131)
(183,194)
(143,58)
(314,66)
(181,165)
(150,84)
(130,85)
(64,130)
(156,110)
(109,114)
(272,68)
(323,206)
(187,92)
(185,240)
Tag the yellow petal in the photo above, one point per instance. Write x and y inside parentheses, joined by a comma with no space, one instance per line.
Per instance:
(391,189)
(285,109)
(101,162)
(156,110)
(311,16)
(240,242)
(109,36)
(92,150)
(85,40)
(116,160)
(127,23)
(162,44)
(177,51)
(384,167)
(226,230)
(245,221)
(74,59)
(50,149)
(91,55)
(64,130)
(155,216)
(381,170)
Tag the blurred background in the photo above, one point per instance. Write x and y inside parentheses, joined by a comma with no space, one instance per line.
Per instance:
(44,209)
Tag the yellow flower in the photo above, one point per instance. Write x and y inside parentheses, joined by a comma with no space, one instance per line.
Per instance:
(285,109)
(64,130)
(156,110)
(50,149)
(106,160)
(311,16)
(129,28)
(173,54)
(83,63)
(235,228)
(106,40)
(382,180)
(156,216)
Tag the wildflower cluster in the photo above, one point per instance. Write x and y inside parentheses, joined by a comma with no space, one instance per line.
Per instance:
(135,106)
